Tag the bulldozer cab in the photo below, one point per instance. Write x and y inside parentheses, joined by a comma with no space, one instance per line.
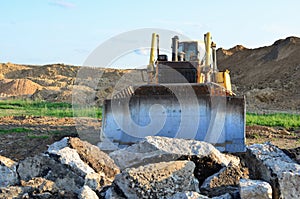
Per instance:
(185,66)
(190,50)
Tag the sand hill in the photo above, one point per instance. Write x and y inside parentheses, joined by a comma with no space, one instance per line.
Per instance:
(269,76)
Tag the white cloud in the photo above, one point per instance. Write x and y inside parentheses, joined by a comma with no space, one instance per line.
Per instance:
(62,4)
(142,51)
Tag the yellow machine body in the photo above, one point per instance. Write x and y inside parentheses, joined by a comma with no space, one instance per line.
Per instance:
(223,79)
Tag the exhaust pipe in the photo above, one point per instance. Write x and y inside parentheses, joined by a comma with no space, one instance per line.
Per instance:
(214,54)
(207,40)
(175,40)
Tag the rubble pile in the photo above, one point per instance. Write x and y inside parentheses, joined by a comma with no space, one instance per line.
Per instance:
(156,167)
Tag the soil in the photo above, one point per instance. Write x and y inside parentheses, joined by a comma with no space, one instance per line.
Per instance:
(40,132)
(269,76)
(43,131)
(283,138)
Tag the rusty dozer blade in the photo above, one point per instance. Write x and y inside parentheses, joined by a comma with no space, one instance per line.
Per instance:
(190,111)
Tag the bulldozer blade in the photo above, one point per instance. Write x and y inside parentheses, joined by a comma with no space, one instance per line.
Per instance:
(191,111)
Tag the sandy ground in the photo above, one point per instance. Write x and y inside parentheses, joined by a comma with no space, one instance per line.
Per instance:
(42,131)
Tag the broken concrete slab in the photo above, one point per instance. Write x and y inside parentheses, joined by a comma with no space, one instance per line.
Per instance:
(153,149)
(157,180)
(268,163)
(87,193)
(112,193)
(86,160)
(222,191)
(8,172)
(196,195)
(71,158)
(56,146)
(51,169)
(255,189)
(156,149)
(188,195)
(95,158)
(227,176)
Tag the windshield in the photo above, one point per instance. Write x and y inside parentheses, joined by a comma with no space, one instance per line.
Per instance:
(181,47)
(190,50)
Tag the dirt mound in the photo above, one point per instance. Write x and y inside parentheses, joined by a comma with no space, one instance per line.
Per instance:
(52,71)
(18,87)
(7,68)
(233,50)
(55,82)
(274,68)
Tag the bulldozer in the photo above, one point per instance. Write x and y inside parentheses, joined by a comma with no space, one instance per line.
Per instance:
(185,97)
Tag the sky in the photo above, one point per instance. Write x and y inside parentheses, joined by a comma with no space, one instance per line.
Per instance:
(68,31)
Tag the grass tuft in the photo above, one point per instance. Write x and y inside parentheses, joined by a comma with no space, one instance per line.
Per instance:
(273,120)
(15,130)
(38,136)
(43,108)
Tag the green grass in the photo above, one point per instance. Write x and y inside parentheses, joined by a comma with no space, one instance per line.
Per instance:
(275,119)
(42,108)
(14,130)
(62,109)
(38,136)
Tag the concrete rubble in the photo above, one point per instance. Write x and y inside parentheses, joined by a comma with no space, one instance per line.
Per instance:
(224,181)
(87,193)
(268,163)
(8,169)
(156,167)
(195,195)
(70,168)
(157,180)
(187,195)
(156,149)
(255,189)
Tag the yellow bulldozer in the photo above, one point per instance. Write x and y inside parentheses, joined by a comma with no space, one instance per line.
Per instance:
(185,97)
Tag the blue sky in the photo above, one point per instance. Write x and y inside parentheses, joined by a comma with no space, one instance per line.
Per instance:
(67,31)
